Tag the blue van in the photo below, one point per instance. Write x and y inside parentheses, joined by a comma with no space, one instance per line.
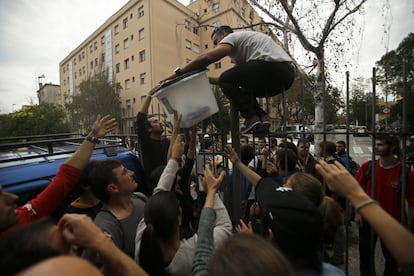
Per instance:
(28,166)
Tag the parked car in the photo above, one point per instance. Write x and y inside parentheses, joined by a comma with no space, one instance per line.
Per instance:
(298,131)
(360,131)
(28,166)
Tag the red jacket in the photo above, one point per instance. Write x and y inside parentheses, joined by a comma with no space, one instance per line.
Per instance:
(45,203)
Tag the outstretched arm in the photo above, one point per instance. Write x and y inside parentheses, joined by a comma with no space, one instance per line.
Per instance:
(398,239)
(251,175)
(81,231)
(69,173)
(205,242)
(100,128)
(204,60)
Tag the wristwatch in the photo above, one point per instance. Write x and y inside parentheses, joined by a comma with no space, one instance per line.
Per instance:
(177,71)
(92,139)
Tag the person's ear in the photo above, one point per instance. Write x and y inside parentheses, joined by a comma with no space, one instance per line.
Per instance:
(112,188)
(269,235)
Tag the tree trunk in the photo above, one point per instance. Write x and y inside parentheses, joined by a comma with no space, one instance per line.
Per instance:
(319,96)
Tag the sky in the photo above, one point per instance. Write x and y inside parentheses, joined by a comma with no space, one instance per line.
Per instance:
(37,35)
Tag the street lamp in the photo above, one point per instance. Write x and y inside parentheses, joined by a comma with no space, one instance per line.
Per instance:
(39,80)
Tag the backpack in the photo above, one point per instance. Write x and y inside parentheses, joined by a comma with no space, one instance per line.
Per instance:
(367,174)
(349,163)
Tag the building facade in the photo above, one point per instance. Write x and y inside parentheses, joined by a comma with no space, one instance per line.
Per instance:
(144,41)
(49,93)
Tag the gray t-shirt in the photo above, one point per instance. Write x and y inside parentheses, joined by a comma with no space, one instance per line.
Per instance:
(123,231)
(250,45)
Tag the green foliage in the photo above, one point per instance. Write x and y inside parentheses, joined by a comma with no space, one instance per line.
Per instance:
(300,103)
(220,121)
(360,106)
(390,67)
(96,96)
(39,119)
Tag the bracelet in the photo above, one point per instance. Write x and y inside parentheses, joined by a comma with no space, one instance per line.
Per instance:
(365,203)
(92,139)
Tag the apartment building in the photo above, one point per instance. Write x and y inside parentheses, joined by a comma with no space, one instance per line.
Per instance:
(145,40)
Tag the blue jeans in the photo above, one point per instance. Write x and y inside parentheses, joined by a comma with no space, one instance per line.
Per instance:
(243,83)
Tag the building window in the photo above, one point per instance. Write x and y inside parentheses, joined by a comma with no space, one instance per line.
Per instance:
(117,67)
(141,11)
(79,57)
(217,65)
(127,84)
(96,62)
(133,80)
(117,49)
(143,78)
(102,40)
(116,29)
(195,30)
(187,25)
(132,58)
(80,72)
(91,64)
(132,37)
(187,44)
(126,63)
(83,54)
(84,70)
(187,60)
(205,46)
(102,57)
(64,69)
(95,45)
(141,34)
(64,82)
(74,61)
(196,48)
(125,23)
(142,56)
(130,16)
(126,44)
(216,7)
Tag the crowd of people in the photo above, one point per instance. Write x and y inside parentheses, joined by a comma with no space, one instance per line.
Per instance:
(294,207)
(294,212)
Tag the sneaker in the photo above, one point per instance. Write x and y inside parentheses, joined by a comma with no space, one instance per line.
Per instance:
(265,121)
(264,125)
(250,124)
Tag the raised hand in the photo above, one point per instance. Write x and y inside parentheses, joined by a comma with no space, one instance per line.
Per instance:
(102,126)
(231,154)
(211,182)
(339,180)
(80,230)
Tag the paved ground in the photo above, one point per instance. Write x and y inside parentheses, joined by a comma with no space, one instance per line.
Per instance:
(353,259)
